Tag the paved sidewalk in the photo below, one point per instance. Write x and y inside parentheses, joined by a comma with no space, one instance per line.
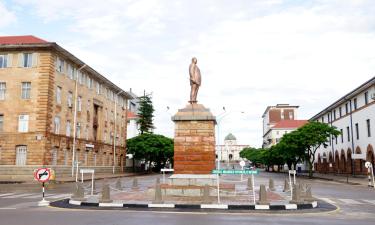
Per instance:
(341,178)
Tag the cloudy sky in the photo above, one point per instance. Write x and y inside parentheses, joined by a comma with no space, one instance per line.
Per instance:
(251,53)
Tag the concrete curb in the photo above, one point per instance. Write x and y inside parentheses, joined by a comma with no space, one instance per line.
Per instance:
(202,206)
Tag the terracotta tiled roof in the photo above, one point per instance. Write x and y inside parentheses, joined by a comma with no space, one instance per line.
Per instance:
(14,40)
(290,124)
(132,115)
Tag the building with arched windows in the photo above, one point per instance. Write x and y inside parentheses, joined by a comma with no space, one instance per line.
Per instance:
(354,116)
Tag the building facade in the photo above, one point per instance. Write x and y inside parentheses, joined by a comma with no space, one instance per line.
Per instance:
(273,115)
(354,116)
(277,131)
(46,96)
(230,150)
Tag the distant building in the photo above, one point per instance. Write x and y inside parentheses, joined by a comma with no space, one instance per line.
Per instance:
(230,151)
(133,106)
(276,132)
(353,115)
(274,115)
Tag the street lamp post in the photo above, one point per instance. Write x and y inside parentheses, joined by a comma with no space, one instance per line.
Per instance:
(75,117)
(218,135)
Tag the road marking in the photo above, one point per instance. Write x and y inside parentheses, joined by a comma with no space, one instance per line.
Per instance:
(17,195)
(8,208)
(369,201)
(34,195)
(350,201)
(60,196)
(328,200)
(6,194)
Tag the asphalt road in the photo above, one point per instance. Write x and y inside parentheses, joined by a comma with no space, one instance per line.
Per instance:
(18,205)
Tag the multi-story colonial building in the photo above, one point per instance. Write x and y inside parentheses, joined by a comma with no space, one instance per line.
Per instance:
(230,151)
(354,116)
(273,115)
(46,96)
(277,131)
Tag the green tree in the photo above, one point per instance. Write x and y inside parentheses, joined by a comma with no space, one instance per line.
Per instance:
(145,114)
(289,147)
(153,148)
(310,137)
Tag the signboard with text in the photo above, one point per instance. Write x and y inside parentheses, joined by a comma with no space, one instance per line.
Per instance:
(235,171)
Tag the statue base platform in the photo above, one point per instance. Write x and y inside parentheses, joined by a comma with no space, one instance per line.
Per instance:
(194,142)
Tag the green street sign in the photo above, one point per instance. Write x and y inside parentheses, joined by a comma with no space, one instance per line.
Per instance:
(235,171)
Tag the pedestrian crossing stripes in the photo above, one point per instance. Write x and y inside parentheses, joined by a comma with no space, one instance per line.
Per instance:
(345,201)
(33,195)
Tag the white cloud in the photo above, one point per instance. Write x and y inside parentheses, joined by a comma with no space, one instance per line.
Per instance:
(251,53)
(7,16)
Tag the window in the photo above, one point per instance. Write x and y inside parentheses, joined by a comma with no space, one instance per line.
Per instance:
(97,88)
(3,61)
(342,136)
(26,60)
(334,114)
(79,103)
(346,108)
(348,131)
(26,89)
(68,128)
(60,65)
(57,125)
(78,130)
(329,118)
(21,155)
(366,97)
(355,103)
(1,122)
(89,82)
(3,88)
(322,119)
(80,77)
(357,131)
(58,95)
(368,128)
(340,112)
(23,123)
(336,140)
(70,71)
(70,99)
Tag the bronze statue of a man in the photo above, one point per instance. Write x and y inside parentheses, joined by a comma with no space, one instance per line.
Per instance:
(195,80)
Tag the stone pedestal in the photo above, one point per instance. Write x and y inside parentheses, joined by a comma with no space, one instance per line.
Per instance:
(194,142)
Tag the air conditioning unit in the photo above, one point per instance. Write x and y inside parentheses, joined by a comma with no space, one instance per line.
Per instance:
(373,96)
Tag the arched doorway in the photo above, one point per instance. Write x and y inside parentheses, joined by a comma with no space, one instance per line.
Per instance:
(337,162)
(319,165)
(325,163)
(359,164)
(349,167)
(370,155)
(331,163)
(342,161)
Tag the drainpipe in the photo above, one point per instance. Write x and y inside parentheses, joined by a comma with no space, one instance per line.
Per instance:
(75,116)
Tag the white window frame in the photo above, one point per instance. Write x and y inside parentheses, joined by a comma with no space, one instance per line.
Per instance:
(26,90)
(70,99)
(79,104)
(21,155)
(68,128)
(60,65)
(78,130)
(57,123)
(23,123)
(58,95)
(3,61)
(3,89)
(98,88)
(70,71)
(27,62)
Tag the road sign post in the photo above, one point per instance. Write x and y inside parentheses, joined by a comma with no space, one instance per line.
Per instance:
(43,175)
(290,181)
(370,174)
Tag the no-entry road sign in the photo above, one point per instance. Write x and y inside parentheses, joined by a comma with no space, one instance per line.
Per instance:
(42,174)
(235,171)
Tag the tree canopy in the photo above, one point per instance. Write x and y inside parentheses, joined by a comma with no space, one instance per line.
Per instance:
(294,147)
(153,148)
